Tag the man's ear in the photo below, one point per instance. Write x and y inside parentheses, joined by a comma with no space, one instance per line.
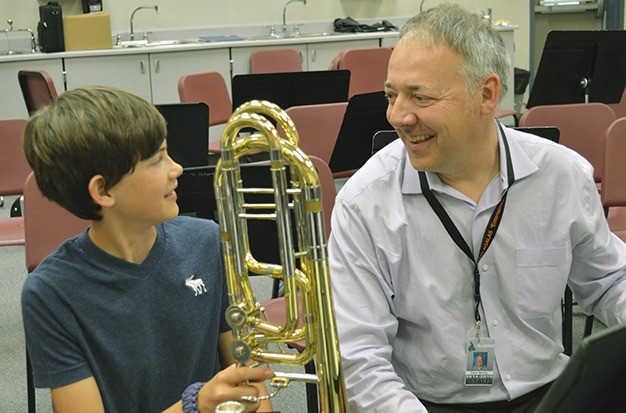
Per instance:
(490,93)
(99,192)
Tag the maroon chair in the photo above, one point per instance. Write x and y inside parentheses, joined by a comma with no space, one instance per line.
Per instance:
(37,88)
(210,88)
(46,226)
(582,125)
(275,60)
(318,127)
(14,171)
(613,192)
(367,66)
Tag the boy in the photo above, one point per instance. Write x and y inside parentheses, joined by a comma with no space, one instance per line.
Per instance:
(128,315)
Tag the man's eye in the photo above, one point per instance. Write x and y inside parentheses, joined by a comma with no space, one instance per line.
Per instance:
(389,97)
(423,100)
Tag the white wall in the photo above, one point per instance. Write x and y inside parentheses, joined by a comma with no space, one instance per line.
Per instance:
(177,14)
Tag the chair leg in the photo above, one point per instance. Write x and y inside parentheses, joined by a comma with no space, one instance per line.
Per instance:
(311,389)
(588,325)
(566,309)
(30,386)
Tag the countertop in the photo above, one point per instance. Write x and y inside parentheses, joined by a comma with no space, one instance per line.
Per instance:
(195,44)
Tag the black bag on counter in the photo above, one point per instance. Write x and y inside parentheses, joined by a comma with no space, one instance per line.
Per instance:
(349,25)
(50,28)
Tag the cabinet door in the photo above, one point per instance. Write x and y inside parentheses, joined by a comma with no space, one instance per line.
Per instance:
(12,103)
(127,72)
(241,56)
(321,54)
(166,68)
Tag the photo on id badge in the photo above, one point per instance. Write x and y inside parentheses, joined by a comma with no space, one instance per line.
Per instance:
(479,369)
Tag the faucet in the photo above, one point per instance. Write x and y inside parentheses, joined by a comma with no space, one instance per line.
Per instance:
(285,12)
(132,16)
(33,43)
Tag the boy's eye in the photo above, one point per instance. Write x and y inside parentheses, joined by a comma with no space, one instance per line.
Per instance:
(159,159)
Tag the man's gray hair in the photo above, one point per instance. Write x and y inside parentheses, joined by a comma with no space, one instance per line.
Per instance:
(465,32)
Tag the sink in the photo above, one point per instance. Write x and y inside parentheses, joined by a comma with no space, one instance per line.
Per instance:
(322,34)
(155,43)
(291,36)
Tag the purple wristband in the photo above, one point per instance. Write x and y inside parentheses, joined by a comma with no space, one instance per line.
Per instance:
(190,398)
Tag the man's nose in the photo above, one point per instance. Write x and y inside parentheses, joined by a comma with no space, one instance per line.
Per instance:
(398,113)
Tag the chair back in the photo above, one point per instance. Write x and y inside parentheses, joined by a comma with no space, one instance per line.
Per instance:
(367,66)
(613,192)
(37,89)
(318,127)
(583,128)
(329,191)
(210,88)
(46,224)
(620,107)
(15,168)
(275,60)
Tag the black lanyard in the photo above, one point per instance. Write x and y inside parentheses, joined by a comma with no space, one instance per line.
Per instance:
(490,231)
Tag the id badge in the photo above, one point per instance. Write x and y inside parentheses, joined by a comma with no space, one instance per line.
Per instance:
(480,358)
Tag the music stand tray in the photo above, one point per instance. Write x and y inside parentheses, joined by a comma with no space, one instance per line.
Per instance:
(287,89)
(365,115)
(580,66)
(187,132)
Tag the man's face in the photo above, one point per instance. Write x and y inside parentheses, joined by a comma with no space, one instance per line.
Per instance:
(479,360)
(430,107)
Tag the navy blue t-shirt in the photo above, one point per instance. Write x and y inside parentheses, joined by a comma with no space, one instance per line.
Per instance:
(144,331)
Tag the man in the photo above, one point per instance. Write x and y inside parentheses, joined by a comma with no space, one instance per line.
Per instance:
(129,315)
(460,237)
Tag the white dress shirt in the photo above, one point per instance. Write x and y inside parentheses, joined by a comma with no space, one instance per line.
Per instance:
(403,290)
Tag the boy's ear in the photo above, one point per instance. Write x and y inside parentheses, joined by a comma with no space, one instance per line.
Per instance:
(99,193)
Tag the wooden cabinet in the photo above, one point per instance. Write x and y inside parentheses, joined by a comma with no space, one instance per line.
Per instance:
(151,75)
(166,68)
(130,72)
(12,103)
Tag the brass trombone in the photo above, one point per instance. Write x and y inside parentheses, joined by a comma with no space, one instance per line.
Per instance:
(304,271)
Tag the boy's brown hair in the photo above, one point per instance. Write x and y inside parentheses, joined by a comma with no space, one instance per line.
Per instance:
(85,132)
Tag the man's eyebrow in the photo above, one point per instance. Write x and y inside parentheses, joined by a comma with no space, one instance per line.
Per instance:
(412,88)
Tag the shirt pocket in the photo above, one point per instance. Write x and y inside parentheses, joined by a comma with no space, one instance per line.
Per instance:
(541,279)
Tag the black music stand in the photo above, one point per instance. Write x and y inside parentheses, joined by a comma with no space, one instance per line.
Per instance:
(549,132)
(187,132)
(580,67)
(594,379)
(365,115)
(288,89)
(383,138)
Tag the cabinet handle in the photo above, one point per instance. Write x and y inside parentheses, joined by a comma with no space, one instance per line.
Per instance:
(157,67)
(314,56)
(142,67)
(301,56)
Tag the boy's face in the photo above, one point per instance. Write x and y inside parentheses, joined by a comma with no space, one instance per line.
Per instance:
(146,195)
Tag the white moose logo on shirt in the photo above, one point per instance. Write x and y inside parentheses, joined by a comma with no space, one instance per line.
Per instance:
(196,285)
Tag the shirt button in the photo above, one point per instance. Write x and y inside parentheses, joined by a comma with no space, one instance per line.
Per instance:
(508,377)
(485,267)
(494,322)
